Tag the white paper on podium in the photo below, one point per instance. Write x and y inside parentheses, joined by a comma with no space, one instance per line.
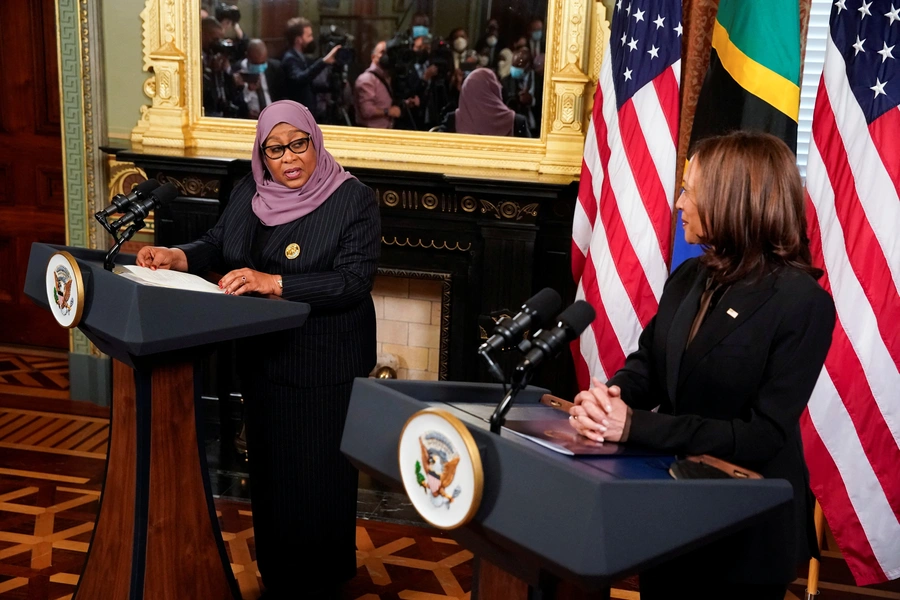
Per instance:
(167,278)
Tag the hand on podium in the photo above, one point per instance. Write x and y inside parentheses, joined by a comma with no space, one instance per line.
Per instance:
(158,257)
(246,281)
(600,413)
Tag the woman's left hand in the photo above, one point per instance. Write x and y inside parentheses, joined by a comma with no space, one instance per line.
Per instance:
(246,281)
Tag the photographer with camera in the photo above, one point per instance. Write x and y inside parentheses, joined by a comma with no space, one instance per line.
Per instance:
(299,69)
(336,102)
(220,91)
(229,16)
(373,95)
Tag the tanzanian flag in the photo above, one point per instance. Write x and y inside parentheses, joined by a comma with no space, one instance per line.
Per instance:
(753,81)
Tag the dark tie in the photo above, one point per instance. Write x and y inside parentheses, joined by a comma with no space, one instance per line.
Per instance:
(261,95)
(705,299)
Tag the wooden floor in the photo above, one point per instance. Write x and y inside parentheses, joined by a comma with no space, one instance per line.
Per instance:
(52,463)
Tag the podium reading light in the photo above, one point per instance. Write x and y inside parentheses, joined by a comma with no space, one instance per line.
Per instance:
(545,344)
(136,206)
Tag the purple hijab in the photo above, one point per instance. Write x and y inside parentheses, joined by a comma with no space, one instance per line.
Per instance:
(276,204)
(481,109)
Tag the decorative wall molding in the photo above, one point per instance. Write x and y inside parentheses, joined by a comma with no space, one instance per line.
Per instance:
(82,127)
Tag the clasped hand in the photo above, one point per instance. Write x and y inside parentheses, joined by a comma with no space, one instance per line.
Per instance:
(236,283)
(599,413)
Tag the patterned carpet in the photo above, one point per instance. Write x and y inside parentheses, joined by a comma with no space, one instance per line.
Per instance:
(52,463)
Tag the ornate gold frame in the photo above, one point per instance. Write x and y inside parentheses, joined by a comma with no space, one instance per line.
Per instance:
(576,32)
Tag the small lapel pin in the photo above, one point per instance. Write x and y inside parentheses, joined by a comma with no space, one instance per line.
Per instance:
(292,251)
(732,313)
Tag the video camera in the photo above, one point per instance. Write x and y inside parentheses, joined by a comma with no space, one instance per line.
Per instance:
(224,48)
(331,36)
(228,11)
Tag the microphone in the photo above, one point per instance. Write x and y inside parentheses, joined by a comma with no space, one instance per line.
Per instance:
(142,207)
(547,343)
(536,311)
(120,202)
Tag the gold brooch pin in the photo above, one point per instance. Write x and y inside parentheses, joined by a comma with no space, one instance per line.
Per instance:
(732,313)
(292,251)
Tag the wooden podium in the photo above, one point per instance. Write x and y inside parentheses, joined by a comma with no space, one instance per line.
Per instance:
(563,526)
(157,534)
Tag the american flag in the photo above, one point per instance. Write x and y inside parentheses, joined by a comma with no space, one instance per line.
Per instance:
(621,235)
(851,429)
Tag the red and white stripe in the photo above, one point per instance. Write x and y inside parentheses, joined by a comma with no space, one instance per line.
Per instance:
(851,430)
(621,236)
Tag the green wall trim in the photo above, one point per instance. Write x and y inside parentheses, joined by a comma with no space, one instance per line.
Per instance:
(78,145)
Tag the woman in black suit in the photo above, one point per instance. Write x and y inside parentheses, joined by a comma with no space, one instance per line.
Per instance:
(302,228)
(730,360)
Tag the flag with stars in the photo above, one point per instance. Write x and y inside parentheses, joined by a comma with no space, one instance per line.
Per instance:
(753,80)
(851,429)
(621,234)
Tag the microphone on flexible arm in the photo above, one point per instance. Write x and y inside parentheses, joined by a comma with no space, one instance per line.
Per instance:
(142,207)
(120,202)
(508,331)
(545,344)
(134,218)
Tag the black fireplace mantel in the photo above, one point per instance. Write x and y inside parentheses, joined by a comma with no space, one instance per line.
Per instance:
(498,241)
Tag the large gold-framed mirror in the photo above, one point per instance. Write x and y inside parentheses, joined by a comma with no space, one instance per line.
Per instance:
(574,35)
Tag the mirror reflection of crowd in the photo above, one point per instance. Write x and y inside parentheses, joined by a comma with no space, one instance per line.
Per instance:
(414,81)
(239,78)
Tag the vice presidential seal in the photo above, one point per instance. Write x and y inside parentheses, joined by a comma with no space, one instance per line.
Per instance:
(441,468)
(65,289)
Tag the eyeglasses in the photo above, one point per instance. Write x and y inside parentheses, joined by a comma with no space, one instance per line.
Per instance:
(298,146)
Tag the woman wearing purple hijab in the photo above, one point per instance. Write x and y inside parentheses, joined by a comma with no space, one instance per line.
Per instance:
(481,109)
(302,228)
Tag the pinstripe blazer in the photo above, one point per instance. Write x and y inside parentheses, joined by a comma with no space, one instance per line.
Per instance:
(340,243)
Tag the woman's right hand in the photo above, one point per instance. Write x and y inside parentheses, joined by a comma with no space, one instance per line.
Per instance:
(158,257)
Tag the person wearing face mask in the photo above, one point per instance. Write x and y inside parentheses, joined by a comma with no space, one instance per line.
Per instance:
(419,27)
(462,54)
(537,44)
(519,88)
(301,228)
(489,45)
(263,79)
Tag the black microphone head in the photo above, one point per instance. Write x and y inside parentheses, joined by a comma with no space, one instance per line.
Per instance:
(166,193)
(542,306)
(576,318)
(144,187)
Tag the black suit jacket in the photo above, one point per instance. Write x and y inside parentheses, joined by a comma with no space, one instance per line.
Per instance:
(340,243)
(737,392)
(299,73)
(275,80)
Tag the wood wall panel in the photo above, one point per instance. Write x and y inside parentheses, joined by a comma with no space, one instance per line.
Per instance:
(6,198)
(46,71)
(49,188)
(7,271)
(31,183)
